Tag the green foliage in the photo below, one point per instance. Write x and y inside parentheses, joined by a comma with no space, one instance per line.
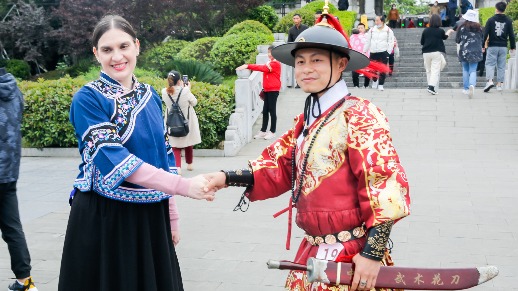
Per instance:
(408,6)
(82,66)
(314,6)
(47,106)
(233,50)
(308,18)
(485,14)
(512,10)
(347,19)
(162,53)
(198,49)
(264,14)
(215,104)
(195,70)
(515,25)
(19,68)
(249,26)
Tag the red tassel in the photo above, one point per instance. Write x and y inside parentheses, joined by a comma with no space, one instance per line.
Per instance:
(290,215)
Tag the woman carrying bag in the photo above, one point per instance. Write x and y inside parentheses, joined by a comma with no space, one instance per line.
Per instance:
(186,100)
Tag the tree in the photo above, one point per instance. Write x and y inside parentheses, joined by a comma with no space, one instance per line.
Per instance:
(25,31)
(412,7)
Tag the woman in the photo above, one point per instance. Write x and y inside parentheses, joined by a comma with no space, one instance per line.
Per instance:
(434,9)
(271,87)
(187,101)
(123,221)
(346,180)
(470,40)
(380,43)
(393,16)
(433,49)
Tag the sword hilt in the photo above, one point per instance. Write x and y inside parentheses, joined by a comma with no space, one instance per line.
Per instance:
(287,265)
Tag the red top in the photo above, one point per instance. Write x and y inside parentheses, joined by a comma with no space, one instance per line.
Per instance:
(271,75)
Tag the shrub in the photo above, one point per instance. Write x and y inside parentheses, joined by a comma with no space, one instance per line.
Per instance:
(19,68)
(249,26)
(515,25)
(198,49)
(162,53)
(233,50)
(264,14)
(46,115)
(485,14)
(313,6)
(195,70)
(512,10)
(81,67)
(347,19)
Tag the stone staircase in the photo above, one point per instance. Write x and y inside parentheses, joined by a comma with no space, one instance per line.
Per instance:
(409,69)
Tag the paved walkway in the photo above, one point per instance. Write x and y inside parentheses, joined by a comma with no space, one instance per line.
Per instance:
(461,158)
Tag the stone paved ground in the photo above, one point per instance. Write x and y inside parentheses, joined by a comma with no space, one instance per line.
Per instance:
(461,158)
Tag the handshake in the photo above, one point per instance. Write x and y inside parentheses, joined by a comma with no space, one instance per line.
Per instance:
(205,186)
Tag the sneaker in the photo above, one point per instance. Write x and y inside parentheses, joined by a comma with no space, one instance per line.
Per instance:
(374,85)
(189,167)
(471,90)
(431,90)
(356,87)
(380,87)
(27,285)
(465,91)
(488,86)
(269,135)
(499,87)
(260,134)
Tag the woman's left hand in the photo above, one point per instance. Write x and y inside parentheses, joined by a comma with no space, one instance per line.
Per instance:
(365,273)
(176,236)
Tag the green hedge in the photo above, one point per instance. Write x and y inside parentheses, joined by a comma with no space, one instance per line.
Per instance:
(512,11)
(198,50)
(308,18)
(233,50)
(264,14)
(162,53)
(46,116)
(485,14)
(19,68)
(248,26)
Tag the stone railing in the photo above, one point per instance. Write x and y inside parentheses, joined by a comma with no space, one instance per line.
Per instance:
(248,104)
(511,73)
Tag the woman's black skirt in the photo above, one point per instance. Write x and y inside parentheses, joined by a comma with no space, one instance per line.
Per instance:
(114,245)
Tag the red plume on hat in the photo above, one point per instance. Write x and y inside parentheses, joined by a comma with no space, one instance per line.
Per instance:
(327,19)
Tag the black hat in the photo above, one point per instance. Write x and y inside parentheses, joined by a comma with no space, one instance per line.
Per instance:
(321,37)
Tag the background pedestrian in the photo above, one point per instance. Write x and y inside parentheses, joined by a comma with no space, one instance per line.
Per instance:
(469,37)
(380,43)
(187,101)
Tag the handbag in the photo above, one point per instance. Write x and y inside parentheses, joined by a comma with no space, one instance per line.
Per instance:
(177,125)
(261,94)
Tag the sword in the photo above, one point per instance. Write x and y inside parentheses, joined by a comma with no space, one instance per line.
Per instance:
(334,273)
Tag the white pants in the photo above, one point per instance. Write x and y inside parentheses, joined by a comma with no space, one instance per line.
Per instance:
(434,63)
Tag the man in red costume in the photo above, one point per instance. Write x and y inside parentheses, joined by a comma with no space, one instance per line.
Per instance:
(345,176)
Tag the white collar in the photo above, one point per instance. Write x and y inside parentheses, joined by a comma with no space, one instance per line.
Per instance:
(330,97)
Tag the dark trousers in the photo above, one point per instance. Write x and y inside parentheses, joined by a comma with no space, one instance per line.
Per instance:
(392,23)
(451,16)
(178,155)
(270,110)
(382,57)
(356,80)
(391,63)
(12,232)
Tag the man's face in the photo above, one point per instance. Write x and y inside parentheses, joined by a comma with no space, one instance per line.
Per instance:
(361,28)
(313,69)
(296,20)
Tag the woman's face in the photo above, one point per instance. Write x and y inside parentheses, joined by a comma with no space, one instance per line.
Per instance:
(312,69)
(117,53)
(361,28)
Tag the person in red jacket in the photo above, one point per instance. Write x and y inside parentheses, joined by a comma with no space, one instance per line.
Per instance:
(271,87)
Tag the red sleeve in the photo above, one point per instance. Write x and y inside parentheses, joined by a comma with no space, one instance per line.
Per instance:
(383,190)
(262,68)
(272,170)
(276,66)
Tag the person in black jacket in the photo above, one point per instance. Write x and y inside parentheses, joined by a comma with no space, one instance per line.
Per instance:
(296,29)
(498,31)
(432,41)
(11,108)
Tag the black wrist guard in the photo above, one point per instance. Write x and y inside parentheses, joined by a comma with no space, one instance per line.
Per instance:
(239,178)
(377,238)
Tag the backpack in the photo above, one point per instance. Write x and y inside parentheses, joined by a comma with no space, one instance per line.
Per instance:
(177,125)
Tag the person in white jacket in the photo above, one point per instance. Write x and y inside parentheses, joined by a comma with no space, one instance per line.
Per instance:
(380,43)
